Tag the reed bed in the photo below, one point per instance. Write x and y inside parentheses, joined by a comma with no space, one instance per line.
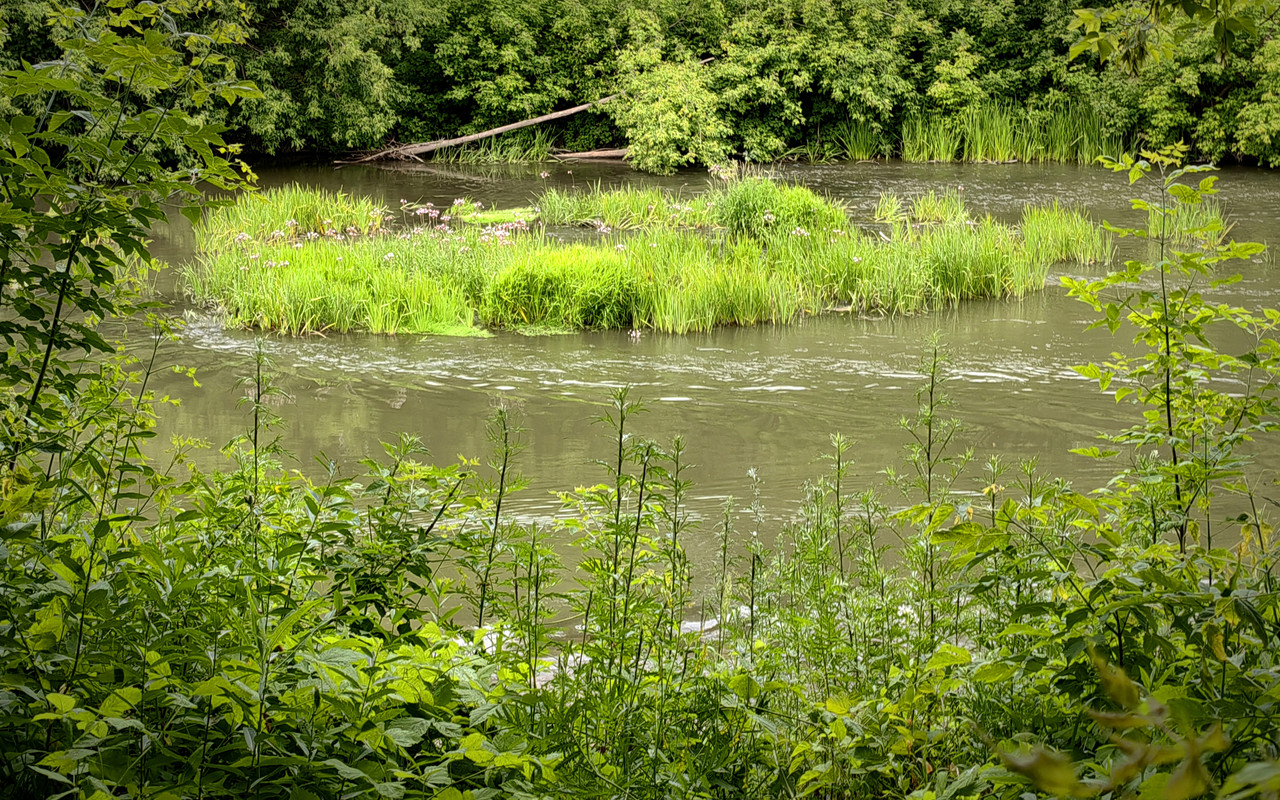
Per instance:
(1202,223)
(858,141)
(753,206)
(514,147)
(1057,233)
(930,138)
(932,206)
(625,208)
(1001,133)
(288,213)
(454,278)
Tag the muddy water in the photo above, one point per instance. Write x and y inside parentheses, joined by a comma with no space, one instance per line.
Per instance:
(767,397)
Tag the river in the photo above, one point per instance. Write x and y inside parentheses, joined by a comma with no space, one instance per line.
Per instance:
(766,398)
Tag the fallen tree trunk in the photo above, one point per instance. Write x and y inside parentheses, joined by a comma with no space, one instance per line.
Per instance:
(406,151)
(620,152)
(415,150)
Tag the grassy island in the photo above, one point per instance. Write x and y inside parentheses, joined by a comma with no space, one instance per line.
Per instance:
(756,251)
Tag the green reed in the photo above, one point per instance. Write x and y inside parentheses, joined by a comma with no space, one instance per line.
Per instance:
(1056,233)
(934,206)
(930,138)
(858,141)
(752,205)
(289,213)
(624,208)
(1202,223)
(1068,133)
(333,286)
(1071,134)
(520,146)
(990,133)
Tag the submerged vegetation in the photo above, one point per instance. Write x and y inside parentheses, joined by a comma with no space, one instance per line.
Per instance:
(753,252)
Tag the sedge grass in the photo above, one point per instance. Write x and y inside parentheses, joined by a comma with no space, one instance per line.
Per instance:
(989,133)
(625,208)
(330,286)
(442,276)
(514,147)
(933,206)
(1056,233)
(1068,133)
(1189,223)
(859,142)
(930,138)
(752,206)
(287,213)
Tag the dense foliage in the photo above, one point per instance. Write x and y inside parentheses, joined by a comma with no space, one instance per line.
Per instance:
(758,79)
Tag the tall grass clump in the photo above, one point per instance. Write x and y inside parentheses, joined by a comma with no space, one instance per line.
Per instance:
(749,205)
(934,206)
(696,285)
(1066,133)
(1056,233)
(514,147)
(1070,133)
(624,208)
(1189,223)
(332,287)
(930,138)
(578,286)
(989,132)
(858,141)
(754,206)
(288,213)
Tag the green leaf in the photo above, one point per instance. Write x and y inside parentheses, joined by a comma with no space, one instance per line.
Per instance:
(407,731)
(1051,771)
(62,703)
(345,770)
(948,655)
(994,672)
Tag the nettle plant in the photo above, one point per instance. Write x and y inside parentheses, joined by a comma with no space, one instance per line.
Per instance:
(1124,599)
(1199,401)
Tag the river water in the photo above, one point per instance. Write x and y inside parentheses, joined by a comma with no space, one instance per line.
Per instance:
(766,398)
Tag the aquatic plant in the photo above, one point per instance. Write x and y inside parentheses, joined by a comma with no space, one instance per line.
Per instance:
(932,206)
(990,133)
(756,206)
(930,138)
(624,208)
(1055,233)
(329,286)
(288,213)
(750,205)
(859,141)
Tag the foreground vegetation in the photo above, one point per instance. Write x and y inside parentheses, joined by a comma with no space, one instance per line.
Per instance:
(754,252)
(398,632)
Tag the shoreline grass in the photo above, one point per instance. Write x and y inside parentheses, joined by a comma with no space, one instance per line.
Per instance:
(1071,134)
(759,266)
